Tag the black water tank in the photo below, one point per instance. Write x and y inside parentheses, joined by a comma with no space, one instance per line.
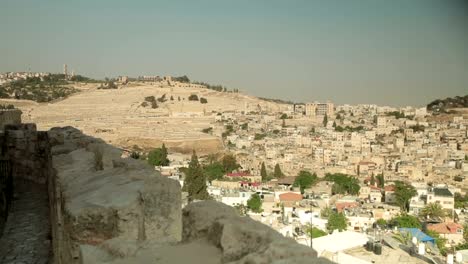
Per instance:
(378,249)
(370,245)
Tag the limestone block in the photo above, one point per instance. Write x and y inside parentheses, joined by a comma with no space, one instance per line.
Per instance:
(161,200)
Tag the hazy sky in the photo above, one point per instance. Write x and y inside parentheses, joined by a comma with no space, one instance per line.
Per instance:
(394,52)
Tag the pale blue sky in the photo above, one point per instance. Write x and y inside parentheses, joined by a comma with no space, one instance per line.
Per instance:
(396,52)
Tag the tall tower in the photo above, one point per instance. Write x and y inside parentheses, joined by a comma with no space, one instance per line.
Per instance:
(65,70)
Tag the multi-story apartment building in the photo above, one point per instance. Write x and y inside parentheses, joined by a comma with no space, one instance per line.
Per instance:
(442,196)
(320,109)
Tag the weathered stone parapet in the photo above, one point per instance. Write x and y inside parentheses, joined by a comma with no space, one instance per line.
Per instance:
(126,203)
(241,239)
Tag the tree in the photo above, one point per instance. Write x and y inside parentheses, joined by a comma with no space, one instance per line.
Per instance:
(158,157)
(193,97)
(229,163)
(263,172)
(314,232)
(325,120)
(305,180)
(336,221)
(460,200)
(432,210)
(195,182)
(325,212)
(343,183)
(277,172)
(203,100)
(380,180)
(372,180)
(255,203)
(381,222)
(214,171)
(403,194)
(405,220)
(172,98)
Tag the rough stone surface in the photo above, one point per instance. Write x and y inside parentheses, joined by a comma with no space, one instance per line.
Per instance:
(26,238)
(241,239)
(116,209)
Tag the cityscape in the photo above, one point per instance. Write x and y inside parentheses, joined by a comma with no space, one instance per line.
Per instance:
(242,133)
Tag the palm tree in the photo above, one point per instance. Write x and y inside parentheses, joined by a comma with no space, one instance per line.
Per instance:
(432,210)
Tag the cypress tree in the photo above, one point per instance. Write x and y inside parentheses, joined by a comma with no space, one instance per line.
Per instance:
(195,182)
(325,120)
(278,173)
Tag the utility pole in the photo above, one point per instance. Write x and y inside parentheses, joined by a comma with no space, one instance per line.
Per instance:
(311,228)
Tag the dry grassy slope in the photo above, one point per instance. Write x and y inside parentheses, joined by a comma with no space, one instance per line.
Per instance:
(118,117)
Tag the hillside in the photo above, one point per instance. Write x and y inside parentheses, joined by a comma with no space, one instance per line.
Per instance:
(447,104)
(46,88)
(118,116)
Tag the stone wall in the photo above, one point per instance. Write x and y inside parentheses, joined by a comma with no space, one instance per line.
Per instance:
(28,151)
(10,117)
(116,210)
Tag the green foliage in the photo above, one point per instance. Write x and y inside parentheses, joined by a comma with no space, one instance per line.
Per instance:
(336,221)
(216,87)
(349,129)
(381,222)
(229,163)
(83,79)
(314,232)
(162,99)
(193,97)
(439,241)
(277,172)
(432,210)
(259,136)
(6,107)
(461,201)
(380,180)
(405,220)
(207,130)
(182,79)
(418,128)
(44,89)
(195,181)
(403,194)
(284,116)
(214,171)
(343,183)
(325,120)
(403,237)
(263,172)
(326,212)
(396,114)
(244,126)
(372,180)
(255,203)
(241,209)
(305,180)
(203,100)
(158,157)
(150,99)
